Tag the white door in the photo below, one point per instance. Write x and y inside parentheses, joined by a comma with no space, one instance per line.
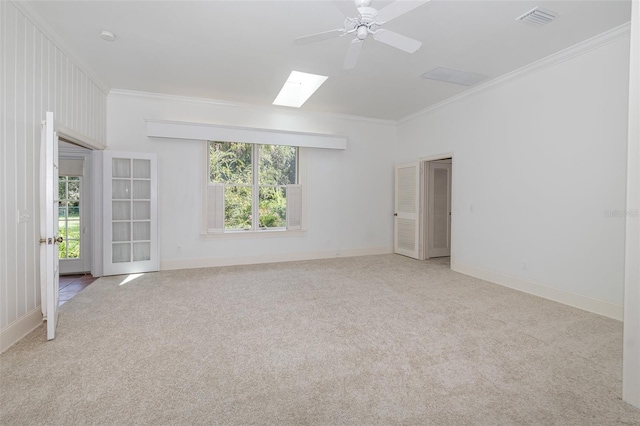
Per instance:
(130,213)
(407,210)
(49,239)
(439,209)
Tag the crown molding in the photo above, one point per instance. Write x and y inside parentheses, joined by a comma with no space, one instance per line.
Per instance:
(40,23)
(131,94)
(614,34)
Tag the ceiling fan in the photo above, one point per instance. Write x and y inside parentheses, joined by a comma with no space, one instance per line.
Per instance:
(369,21)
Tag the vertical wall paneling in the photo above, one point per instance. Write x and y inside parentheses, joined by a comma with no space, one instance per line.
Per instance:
(3,156)
(35,76)
(30,154)
(9,156)
(20,200)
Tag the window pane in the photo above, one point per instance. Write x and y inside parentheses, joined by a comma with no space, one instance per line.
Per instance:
(62,193)
(141,210)
(237,207)
(141,231)
(120,189)
(121,231)
(230,162)
(142,189)
(73,249)
(142,169)
(73,229)
(277,165)
(121,167)
(121,210)
(141,251)
(73,190)
(74,212)
(120,252)
(273,208)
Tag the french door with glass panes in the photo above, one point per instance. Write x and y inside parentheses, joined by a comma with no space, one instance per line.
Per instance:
(130,213)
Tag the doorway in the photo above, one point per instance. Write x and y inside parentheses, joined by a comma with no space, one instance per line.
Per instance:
(74,211)
(422,217)
(436,217)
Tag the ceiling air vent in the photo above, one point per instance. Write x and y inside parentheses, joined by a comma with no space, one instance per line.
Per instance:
(538,17)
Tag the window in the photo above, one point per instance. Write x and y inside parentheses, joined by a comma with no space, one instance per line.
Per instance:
(69,216)
(252,187)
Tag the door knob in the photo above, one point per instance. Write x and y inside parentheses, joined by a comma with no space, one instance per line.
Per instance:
(59,240)
(395,214)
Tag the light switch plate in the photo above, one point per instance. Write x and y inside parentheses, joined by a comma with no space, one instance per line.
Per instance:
(23,216)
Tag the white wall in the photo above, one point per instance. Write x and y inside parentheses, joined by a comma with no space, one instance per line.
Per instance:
(538,160)
(36,76)
(349,192)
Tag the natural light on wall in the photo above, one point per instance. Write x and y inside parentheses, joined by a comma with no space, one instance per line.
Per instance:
(298,88)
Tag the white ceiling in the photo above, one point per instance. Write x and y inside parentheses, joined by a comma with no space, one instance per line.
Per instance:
(243,51)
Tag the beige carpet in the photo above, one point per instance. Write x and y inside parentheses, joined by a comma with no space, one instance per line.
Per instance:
(351,341)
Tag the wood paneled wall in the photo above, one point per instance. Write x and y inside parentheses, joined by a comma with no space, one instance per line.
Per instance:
(35,76)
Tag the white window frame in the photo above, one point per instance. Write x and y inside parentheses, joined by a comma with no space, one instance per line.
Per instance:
(213,200)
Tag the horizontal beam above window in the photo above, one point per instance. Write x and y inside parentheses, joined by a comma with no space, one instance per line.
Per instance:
(214,132)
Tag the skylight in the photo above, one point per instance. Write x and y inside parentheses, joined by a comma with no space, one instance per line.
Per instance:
(298,88)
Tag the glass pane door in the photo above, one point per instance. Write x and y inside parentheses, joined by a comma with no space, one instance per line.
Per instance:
(131,188)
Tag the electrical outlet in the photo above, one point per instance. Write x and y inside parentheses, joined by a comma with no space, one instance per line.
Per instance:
(179,249)
(524,266)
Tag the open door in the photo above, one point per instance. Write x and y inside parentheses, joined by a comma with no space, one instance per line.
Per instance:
(407,210)
(439,209)
(130,203)
(49,239)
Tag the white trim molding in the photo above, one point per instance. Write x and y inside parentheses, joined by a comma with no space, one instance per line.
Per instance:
(20,328)
(162,97)
(209,262)
(596,306)
(217,132)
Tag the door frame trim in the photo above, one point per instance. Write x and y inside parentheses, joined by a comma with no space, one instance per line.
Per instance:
(70,135)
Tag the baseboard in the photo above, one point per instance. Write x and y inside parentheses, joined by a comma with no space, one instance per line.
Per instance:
(596,306)
(271,258)
(20,328)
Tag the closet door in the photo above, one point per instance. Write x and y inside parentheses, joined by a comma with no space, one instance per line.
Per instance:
(130,213)
(406,218)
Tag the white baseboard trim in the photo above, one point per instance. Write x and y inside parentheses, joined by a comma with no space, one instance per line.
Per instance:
(596,306)
(272,258)
(20,328)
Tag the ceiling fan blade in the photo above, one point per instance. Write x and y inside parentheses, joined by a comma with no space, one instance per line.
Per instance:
(398,41)
(326,35)
(352,54)
(398,8)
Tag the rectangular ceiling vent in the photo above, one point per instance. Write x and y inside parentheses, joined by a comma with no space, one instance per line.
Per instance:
(538,16)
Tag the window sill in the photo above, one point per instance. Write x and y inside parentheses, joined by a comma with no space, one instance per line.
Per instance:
(233,235)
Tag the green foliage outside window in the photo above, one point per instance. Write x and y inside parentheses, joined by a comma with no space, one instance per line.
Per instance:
(69,217)
(233,164)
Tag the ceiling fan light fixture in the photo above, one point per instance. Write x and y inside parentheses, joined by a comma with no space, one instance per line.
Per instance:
(298,88)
